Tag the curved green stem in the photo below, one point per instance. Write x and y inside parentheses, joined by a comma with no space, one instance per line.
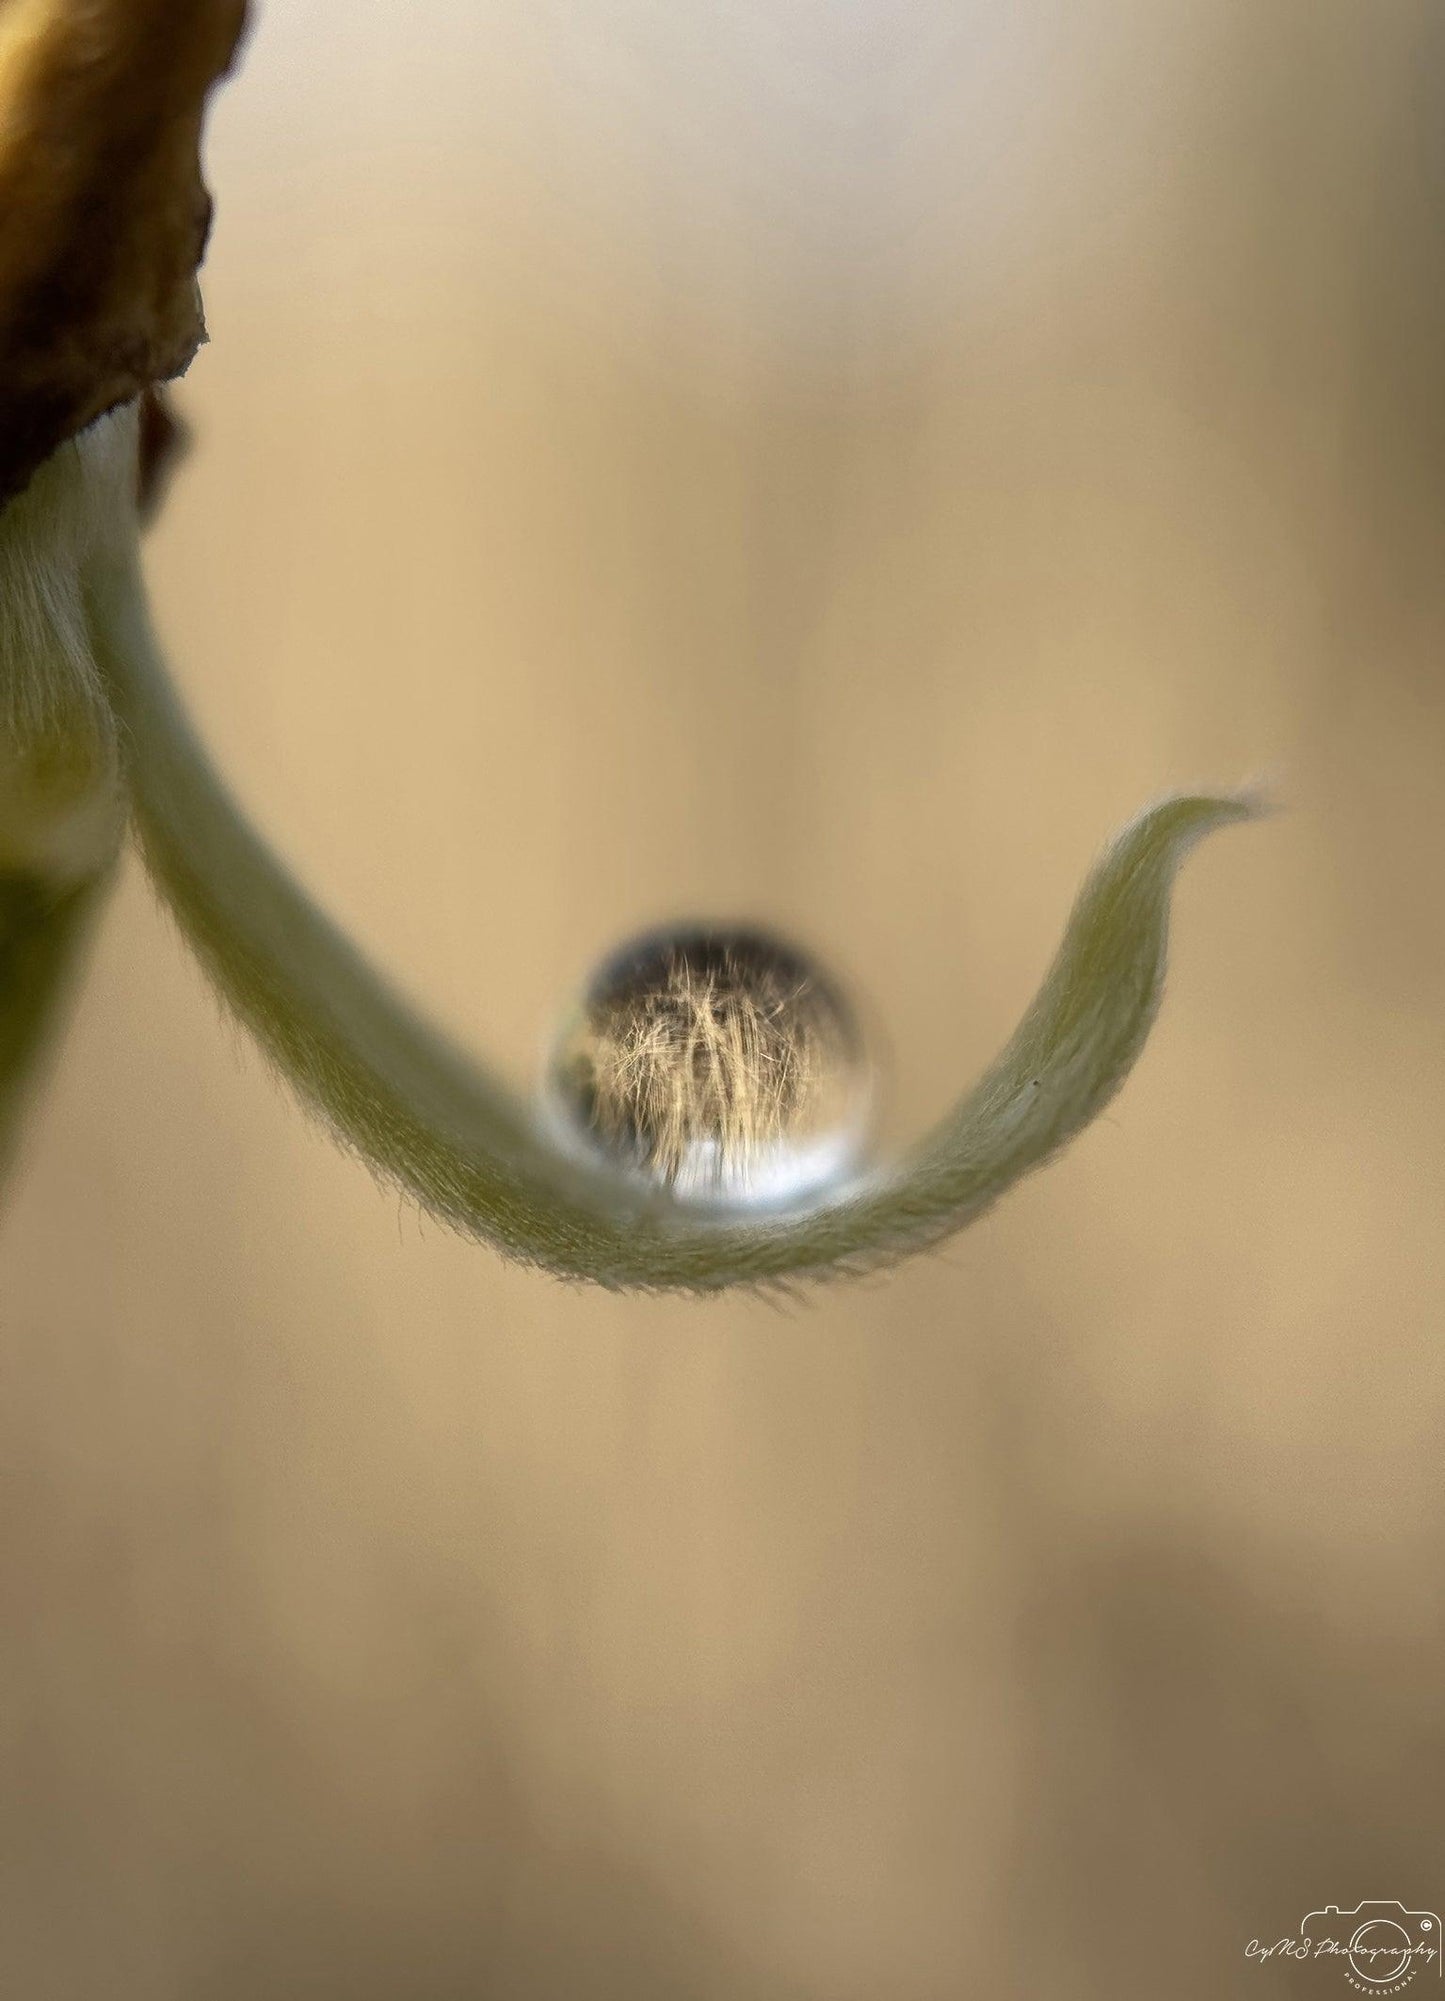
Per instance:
(429,1120)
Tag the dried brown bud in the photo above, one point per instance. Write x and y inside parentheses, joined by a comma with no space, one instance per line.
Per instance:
(103,214)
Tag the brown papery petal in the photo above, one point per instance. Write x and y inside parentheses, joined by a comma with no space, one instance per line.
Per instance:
(103,213)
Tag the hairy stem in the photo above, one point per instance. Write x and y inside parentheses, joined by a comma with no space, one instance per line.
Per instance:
(465,1147)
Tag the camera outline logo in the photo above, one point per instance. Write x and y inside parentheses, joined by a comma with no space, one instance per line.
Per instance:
(1384,1945)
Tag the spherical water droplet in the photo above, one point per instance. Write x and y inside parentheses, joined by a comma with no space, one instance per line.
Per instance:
(719,1064)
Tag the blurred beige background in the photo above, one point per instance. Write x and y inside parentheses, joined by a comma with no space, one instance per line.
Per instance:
(827,463)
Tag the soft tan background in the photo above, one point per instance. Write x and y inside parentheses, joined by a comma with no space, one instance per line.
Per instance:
(831,463)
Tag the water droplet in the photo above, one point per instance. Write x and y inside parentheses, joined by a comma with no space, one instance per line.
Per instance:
(720,1064)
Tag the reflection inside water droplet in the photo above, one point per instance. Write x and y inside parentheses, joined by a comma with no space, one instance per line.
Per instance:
(719,1064)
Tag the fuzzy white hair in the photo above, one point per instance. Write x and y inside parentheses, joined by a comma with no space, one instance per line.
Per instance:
(60,796)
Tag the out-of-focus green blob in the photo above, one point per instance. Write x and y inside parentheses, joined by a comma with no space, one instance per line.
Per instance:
(61,806)
(42,934)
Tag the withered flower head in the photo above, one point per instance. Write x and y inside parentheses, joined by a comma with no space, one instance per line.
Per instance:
(103,212)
